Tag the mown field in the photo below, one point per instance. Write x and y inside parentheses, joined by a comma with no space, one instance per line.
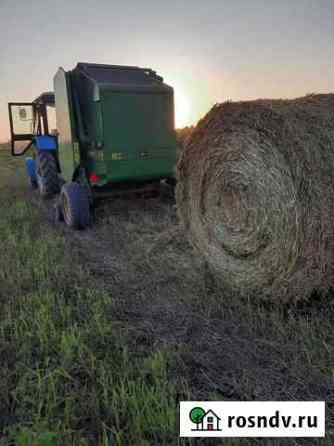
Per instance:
(102,332)
(67,376)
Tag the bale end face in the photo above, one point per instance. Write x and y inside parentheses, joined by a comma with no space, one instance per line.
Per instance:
(255,193)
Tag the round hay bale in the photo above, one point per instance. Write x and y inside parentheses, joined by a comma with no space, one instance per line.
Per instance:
(256,195)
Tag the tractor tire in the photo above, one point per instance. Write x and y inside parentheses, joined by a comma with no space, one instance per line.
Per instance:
(75,206)
(47,174)
(31,172)
(33,183)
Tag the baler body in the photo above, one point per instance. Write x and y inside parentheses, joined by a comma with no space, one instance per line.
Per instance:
(115,122)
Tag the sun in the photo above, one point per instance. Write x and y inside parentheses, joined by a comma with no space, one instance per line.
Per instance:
(182,109)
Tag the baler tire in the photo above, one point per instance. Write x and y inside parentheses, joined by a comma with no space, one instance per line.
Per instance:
(75,206)
(167,191)
(47,174)
(58,212)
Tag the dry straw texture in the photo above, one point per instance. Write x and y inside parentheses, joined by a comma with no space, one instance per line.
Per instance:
(256,195)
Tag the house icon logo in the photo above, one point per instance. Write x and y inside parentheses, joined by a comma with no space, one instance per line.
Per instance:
(205,421)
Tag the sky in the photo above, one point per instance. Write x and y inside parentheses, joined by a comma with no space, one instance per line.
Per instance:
(209,51)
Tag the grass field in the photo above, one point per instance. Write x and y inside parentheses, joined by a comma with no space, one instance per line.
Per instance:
(102,332)
(66,373)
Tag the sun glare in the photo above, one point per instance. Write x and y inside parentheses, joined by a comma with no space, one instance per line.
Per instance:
(182,109)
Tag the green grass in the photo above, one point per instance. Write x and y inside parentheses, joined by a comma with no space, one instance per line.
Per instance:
(67,376)
(11,179)
(76,370)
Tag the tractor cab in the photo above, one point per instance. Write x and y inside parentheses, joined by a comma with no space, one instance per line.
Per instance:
(33,123)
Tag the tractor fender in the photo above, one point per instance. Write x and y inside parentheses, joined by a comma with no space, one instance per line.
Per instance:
(45,142)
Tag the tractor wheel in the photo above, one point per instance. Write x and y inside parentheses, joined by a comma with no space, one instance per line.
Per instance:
(33,183)
(31,172)
(75,205)
(47,174)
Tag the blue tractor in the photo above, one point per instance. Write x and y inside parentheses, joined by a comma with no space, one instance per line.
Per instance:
(30,127)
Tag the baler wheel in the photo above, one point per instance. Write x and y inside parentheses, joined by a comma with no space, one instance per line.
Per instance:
(58,211)
(75,205)
(47,174)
